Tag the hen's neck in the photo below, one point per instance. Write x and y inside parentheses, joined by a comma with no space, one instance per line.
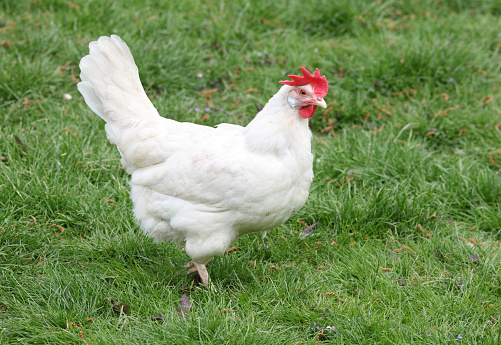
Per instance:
(278,128)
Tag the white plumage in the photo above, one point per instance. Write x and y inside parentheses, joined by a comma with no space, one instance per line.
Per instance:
(206,186)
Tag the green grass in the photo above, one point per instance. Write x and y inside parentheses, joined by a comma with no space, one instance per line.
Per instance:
(407,187)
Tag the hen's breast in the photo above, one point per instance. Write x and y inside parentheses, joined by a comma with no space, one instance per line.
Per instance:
(244,193)
(275,189)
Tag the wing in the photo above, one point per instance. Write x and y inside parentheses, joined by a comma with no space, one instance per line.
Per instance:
(220,175)
(195,163)
(148,143)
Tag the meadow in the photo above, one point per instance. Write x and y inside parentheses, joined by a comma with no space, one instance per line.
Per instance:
(407,187)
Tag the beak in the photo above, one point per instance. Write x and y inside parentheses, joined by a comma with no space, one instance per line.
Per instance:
(321,103)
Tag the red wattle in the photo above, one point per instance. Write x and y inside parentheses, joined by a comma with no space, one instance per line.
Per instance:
(307,111)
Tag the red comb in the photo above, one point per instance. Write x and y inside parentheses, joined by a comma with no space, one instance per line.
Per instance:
(319,83)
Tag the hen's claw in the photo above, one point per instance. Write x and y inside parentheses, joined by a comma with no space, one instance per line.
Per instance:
(201,269)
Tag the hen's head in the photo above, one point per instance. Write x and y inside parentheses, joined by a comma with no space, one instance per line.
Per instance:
(308,92)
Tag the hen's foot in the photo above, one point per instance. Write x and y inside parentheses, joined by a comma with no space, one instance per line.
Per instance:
(202,271)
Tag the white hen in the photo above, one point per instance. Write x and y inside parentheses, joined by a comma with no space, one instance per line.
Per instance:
(206,186)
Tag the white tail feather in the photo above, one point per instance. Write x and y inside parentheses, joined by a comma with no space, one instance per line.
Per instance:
(111,86)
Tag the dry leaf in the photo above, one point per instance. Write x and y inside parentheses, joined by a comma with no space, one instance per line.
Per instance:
(157,318)
(491,159)
(487,99)
(231,249)
(121,307)
(82,337)
(224,311)
(186,288)
(362,19)
(208,93)
(184,306)
(9,25)
(427,232)
(320,337)
(60,68)
(474,259)
(251,90)
(475,242)
(309,229)
(438,254)
(74,78)
(74,6)
(57,226)
(22,146)
(398,250)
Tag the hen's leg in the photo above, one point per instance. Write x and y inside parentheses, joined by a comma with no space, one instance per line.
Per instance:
(201,269)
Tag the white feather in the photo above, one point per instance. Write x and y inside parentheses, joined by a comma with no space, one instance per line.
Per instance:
(206,186)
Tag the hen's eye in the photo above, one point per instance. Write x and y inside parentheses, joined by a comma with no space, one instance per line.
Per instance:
(302,92)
